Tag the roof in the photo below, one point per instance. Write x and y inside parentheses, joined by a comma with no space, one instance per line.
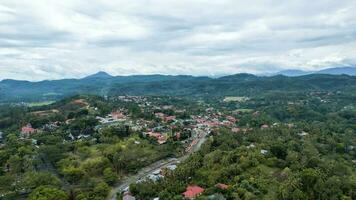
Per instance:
(264,126)
(117,115)
(193,191)
(27,130)
(222,186)
(128,197)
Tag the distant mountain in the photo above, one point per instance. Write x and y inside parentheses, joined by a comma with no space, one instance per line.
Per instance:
(293,72)
(100,74)
(351,71)
(104,84)
(338,71)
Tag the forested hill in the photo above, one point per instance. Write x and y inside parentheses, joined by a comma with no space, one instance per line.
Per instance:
(104,84)
(239,84)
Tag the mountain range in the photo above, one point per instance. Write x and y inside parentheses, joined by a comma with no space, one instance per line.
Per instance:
(105,84)
(351,71)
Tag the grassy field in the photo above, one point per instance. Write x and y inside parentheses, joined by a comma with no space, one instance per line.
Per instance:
(236,99)
(244,110)
(42,103)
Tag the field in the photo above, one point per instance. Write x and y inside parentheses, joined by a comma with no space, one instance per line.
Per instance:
(41,103)
(235,99)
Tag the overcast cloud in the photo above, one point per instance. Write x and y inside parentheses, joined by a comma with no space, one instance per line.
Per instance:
(55,39)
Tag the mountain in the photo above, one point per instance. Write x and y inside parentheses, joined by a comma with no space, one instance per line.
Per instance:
(98,84)
(351,71)
(98,75)
(338,71)
(238,85)
(293,72)
(189,86)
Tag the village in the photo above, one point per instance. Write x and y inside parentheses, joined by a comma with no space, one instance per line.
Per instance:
(166,125)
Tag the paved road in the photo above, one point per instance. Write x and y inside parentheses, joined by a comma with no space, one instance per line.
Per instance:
(144,172)
(141,174)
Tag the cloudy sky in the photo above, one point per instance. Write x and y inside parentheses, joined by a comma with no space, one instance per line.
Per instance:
(55,39)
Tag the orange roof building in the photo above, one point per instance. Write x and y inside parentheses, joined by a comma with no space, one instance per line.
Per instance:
(193,191)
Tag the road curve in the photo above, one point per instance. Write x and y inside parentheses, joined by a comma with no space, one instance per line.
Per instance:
(144,172)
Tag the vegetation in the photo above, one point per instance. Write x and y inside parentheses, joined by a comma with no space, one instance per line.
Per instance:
(291,140)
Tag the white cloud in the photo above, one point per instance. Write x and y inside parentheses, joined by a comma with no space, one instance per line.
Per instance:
(73,38)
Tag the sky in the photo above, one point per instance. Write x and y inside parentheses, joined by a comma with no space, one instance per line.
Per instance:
(73,38)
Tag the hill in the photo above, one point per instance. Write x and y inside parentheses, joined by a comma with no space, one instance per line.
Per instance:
(104,84)
(351,71)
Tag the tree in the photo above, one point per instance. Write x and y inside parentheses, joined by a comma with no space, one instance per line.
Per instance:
(101,191)
(48,193)
(279,150)
(35,179)
(109,176)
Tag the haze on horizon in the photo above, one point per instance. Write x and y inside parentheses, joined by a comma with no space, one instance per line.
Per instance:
(75,38)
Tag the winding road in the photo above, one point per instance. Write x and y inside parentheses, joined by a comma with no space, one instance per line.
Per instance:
(144,172)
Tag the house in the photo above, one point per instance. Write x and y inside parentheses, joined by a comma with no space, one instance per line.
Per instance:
(117,115)
(216,197)
(235,130)
(303,133)
(159,115)
(159,137)
(193,191)
(169,118)
(162,140)
(128,197)
(222,186)
(27,130)
(231,119)
(264,152)
(264,126)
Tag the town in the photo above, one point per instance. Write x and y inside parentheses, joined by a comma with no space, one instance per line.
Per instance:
(128,147)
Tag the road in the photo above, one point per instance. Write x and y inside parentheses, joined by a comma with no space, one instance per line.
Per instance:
(144,172)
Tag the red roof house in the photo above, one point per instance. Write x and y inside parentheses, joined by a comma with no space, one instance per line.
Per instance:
(158,136)
(193,191)
(27,130)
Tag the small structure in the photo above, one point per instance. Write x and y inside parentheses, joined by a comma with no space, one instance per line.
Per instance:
(158,136)
(235,130)
(231,119)
(193,191)
(303,133)
(128,197)
(264,152)
(117,115)
(169,118)
(159,115)
(222,186)
(27,130)
(264,126)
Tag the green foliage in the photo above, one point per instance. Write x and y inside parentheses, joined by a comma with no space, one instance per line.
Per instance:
(110,176)
(48,193)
